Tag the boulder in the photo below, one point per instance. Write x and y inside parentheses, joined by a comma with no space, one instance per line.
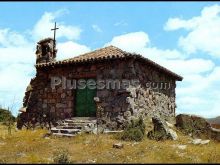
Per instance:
(199,141)
(196,141)
(197,127)
(161,130)
(173,134)
(205,141)
(192,124)
(169,124)
(215,134)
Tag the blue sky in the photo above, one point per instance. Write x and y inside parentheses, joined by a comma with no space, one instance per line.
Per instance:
(182,36)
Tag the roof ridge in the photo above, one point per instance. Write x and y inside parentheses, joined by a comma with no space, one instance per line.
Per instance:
(94,51)
(109,52)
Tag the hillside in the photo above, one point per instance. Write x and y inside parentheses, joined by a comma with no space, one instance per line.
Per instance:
(28,146)
(5,114)
(215,120)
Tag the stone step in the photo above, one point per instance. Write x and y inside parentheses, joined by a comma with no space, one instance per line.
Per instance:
(77,124)
(64,135)
(83,118)
(109,132)
(69,127)
(79,121)
(66,131)
(74,126)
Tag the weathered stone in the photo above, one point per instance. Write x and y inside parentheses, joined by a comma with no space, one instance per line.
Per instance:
(197,127)
(173,134)
(120,119)
(60,105)
(69,110)
(127,114)
(132,91)
(63,95)
(161,131)
(169,124)
(96,99)
(112,125)
(44,105)
(60,90)
(69,93)
(103,94)
(52,110)
(98,130)
(51,101)
(205,141)
(117,109)
(199,141)
(118,145)
(70,104)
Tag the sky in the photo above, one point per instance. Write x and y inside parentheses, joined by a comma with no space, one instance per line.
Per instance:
(181,36)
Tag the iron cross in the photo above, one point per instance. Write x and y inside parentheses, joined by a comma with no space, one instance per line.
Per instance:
(54,37)
(55,28)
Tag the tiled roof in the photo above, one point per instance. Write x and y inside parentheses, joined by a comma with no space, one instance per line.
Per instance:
(110,52)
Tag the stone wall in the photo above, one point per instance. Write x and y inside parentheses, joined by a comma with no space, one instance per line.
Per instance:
(118,105)
(122,105)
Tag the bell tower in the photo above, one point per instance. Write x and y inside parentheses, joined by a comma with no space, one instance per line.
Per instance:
(46,49)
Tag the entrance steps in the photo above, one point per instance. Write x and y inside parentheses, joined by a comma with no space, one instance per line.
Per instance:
(72,127)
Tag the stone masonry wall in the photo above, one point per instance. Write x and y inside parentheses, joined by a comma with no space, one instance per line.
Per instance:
(119,105)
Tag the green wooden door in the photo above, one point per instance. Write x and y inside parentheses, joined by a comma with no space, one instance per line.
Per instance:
(85,105)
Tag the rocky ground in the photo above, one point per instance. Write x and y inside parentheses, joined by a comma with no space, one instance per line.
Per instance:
(33,146)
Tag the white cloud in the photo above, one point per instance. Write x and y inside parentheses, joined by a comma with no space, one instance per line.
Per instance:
(202,95)
(43,27)
(97,28)
(16,71)
(130,41)
(14,78)
(204,31)
(12,54)
(177,23)
(70,49)
(189,66)
(9,37)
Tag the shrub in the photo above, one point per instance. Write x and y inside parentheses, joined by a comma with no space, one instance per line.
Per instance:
(6,115)
(61,157)
(134,131)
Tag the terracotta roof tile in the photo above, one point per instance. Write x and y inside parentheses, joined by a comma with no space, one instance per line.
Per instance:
(110,52)
(107,52)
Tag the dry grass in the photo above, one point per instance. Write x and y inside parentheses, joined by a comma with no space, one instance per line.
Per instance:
(28,146)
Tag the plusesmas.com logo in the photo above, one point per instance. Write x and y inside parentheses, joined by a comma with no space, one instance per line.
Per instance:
(104,84)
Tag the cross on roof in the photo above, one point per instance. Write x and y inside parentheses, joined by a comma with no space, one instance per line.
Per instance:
(55,28)
(54,37)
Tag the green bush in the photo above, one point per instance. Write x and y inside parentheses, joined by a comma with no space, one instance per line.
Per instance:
(135,131)
(61,157)
(6,115)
